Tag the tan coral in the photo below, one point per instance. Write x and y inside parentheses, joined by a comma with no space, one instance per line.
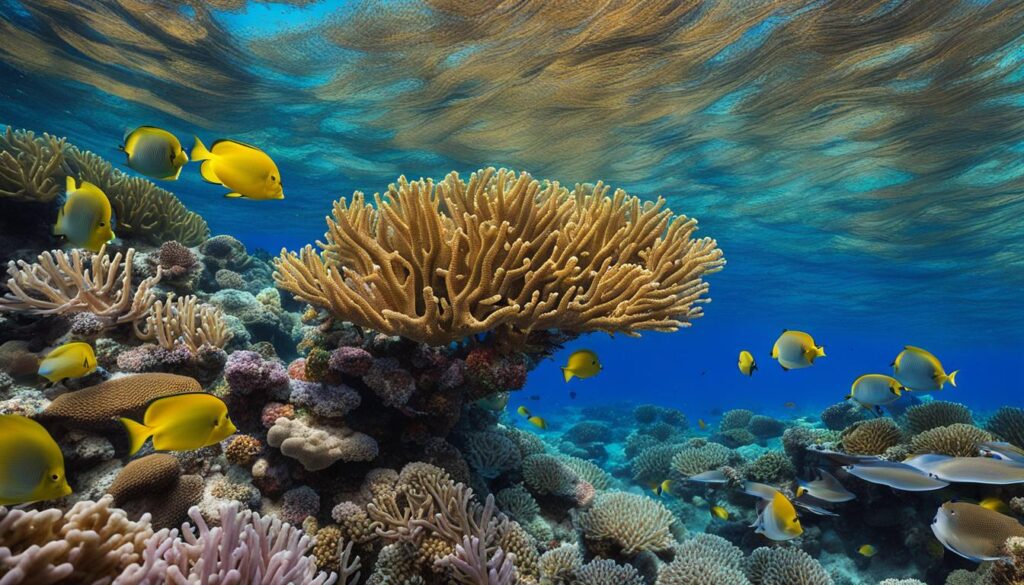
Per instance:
(144,475)
(319,447)
(30,166)
(186,320)
(437,263)
(61,283)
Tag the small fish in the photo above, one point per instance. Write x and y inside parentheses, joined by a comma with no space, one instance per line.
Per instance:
(1001,450)
(495,402)
(874,390)
(700,423)
(84,219)
(71,360)
(523,411)
(720,512)
(660,488)
(895,475)
(866,550)
(582,364)
(918,369)
(572,395)
(789,404)
(813,508)
(825,488)
(538,422)
(974,532)
(777,519)
(714,476)
(154,152)
(986,470)
(996,505)
(246,170)
(183,422)
(31,463)
(535,397)
(746,363)
(796,349)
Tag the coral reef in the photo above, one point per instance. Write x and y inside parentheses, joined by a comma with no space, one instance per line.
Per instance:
(1008,424)
(871,437)
(938,413)
(957,440)
(627,524)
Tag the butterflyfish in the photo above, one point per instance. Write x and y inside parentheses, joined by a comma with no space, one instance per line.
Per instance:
(700,423)
(796,349)
(538,422)
(84,219)
(71,360)
(154,152)
(720,512)
(874,390)
(183,422)
(523,411)
(777,519)
(974,532)
(918,369)
(245,170)
(582,364)
(867,550)
(746,364)
(31,463)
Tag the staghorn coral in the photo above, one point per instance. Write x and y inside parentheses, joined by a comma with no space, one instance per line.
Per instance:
(320,446)
(938,413)
(183,320)
(507,254)
(870,437)
(957,440)
(91,543)
(64,283)
(785,566)
(693,460)
(30,166)
(1008,424)
(620,522)
(98,407)
(608,572)
(706,559)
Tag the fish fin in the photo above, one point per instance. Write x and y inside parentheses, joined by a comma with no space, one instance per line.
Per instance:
(234,195)
(567,374)
(137,434)
(69,184)
(952,377)
(784,368)
(208,174)
(199,151)
(58,228)
(177,174)
(229,144)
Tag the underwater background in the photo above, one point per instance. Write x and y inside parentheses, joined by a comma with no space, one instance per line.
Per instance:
(859,164)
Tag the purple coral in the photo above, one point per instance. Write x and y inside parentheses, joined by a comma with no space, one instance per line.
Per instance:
(351,361)
(153,358)
(299,503)
(86,325)
(324,399)
(247,373)
(393,384)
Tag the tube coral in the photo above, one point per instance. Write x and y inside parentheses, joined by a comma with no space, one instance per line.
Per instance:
(438,263)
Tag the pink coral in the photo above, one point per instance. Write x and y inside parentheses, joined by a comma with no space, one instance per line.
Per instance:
(275,410)
(175,259)
(297,369)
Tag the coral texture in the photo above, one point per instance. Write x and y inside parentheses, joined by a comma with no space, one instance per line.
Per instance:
(629,523)
(871,437)
(938,413)
(957,440)
(318,447)
(184,319)
(98,407)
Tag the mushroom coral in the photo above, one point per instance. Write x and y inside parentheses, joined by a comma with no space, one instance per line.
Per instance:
(508,254)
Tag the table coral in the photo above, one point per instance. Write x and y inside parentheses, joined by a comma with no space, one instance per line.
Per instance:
(440,262)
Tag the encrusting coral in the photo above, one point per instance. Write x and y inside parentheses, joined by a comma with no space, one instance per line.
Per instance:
(437,263)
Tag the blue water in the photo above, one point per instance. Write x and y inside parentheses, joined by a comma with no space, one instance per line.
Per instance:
(868,242)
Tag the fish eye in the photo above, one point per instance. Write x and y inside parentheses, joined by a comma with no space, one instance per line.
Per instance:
(214,423)
(54,477)
(101,224)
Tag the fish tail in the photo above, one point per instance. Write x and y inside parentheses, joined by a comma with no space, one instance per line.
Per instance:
(952,378)
(137,434)
(69,184)
(566,374)
(199,151)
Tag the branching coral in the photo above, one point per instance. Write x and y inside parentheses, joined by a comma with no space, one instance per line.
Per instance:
(63,283)
(30,166)
(184,320)
(626,523)
(785,566)
(698,459)
(608,572)
(438,263)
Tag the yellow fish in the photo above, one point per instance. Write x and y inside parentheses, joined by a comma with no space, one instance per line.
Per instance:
(71,360)
(182,422)
(522,410)
(796,349)
(154,152)
(31,465)
(996,505)
(661,488)
(582,364)
(538,422)
(246,170)
(778,520)
(85,217)
(874,390)
(720,512)
(867,550)
(746,363)
(700,423)
(918,369)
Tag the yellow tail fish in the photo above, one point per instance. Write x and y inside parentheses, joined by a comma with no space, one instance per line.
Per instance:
(31,464)
(538,422)
(71,360)
(582,364)
(746,363)
(919,370)
(183,422)
(796,349)
(244,169)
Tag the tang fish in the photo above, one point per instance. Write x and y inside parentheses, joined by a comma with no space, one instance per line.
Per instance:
(538,422)
(154,152)
(720,512)
(985,470)
(31,464)
(974,532)
(1001,450)
(777,519)
(867,550)
(895,475)
(796,349)
(825,488)
(582,364)
(182,422)
(246,170)
(85,217)
(874,390)
(746,363)
(71,360)
(523,411)
(918,369)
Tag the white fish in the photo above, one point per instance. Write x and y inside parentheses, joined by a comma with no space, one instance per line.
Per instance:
(777,519)
(895,475)
(826,488)
(713,476)
(985,470)
(1001,450)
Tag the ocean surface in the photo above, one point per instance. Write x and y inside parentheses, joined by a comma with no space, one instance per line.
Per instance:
(861,164)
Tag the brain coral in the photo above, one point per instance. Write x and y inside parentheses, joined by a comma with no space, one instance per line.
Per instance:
(1008,424)
(98,407)
(871,437)
(693,460)
(957,440)
(144,475)
(508,256)
(608,572)
(318,447)
(620,522)
(938,413)
(785,566)
(706,559)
